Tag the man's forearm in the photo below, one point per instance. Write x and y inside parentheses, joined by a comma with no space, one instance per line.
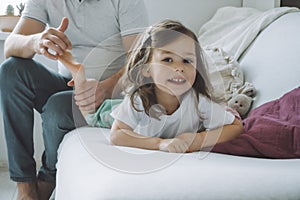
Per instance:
(118,75)
(20,46)
(115,85)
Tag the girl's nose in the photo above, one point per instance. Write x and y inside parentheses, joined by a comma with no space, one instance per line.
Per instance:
(179,69)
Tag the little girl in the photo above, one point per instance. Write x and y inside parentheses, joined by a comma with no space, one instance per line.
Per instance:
(167,105)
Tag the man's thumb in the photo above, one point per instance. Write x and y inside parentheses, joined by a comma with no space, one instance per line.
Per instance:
(63,25)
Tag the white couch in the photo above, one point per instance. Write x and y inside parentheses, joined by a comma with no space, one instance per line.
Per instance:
(90,168)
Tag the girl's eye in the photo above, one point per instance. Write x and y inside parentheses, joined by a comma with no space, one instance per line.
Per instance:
(167,60)
(188,61)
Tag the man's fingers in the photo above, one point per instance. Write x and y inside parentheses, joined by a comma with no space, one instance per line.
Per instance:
(45,51)
(63,25)
(62,28)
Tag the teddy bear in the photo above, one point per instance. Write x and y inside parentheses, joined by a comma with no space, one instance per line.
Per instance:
(242,99)
(241,103)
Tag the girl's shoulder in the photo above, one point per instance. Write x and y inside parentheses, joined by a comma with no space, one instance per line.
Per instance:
(208,103)
(136,100)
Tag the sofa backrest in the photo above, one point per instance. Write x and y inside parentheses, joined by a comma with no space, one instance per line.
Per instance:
(272,62)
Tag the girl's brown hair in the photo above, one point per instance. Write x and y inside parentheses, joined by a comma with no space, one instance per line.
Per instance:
(157,36)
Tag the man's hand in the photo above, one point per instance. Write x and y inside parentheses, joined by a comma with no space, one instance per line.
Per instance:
(90,95)
(53,40)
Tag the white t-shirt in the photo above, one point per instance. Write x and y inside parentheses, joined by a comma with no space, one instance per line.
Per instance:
(95,29)
(184,119)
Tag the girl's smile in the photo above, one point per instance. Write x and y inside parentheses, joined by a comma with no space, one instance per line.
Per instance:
(172,67)
(177,80)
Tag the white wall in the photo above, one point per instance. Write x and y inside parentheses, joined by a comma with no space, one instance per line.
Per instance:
(4,4)
(193,13)
(261,5)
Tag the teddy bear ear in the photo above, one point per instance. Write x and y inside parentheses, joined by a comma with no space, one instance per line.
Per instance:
(248,89)
(250,92)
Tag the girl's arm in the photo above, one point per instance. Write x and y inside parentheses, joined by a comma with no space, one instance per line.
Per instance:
(76,69)
(123,135)
(209,138)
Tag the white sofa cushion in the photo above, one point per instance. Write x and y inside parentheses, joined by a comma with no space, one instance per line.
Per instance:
(90,168)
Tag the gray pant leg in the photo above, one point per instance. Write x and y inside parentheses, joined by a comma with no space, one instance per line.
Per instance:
(24,85)
(60,115)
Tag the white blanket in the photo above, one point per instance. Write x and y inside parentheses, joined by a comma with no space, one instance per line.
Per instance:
(233,29)
(225,37)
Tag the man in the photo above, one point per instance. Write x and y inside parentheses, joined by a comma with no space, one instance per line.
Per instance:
(98,32)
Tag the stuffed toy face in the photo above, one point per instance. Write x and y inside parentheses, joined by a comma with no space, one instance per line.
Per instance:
(241,103)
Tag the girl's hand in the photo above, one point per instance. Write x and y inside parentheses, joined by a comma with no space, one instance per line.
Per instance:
(175,145)
(76,69)
(193,140)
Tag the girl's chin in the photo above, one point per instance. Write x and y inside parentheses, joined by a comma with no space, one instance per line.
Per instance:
(176,93)
(173,91)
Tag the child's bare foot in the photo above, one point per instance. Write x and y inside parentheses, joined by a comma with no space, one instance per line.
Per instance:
(27,191)
(76,69)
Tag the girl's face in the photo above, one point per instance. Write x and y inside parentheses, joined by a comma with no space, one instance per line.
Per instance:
(173,66)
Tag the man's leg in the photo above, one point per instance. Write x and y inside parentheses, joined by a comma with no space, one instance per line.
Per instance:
(60,115)
(24,85)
